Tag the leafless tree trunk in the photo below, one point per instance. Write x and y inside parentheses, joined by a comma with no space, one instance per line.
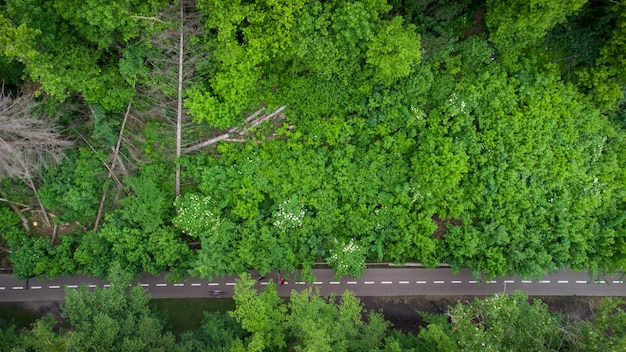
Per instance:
(112,167)
(239,133)
(179,110)
(18,212)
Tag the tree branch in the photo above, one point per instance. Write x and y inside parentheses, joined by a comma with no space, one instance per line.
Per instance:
(251,121)
(115,155)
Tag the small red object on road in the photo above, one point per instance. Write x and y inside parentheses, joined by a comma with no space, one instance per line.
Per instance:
(282,281)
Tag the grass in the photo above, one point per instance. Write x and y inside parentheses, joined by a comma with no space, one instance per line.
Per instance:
(186,314)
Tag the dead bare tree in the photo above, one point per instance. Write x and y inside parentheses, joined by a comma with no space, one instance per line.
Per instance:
(178,51)
(29,141)
(179,108)
(238,134)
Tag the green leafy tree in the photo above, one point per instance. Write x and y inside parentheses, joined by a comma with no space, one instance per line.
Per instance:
(115,318)
(505,323)
(263,315)
(518,24)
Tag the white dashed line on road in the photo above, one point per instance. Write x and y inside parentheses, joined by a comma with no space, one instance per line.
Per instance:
(179,285)
(18,287)
(456,282)
(1,287)
(492,282)
(94,286)
(35,287)
(368,282)
(403,282)
(351,282)
(527,281)
(473,281)
(265,283)
(335,282)
(618,282)
(317,283)
(230,284)
(145,285)
(300,282)
(161,285)
(563,281)
(72,286)
(581,282)
(215,284)
(600,282)
(420,282)
(196,284)
(544,281)
(509,281)
(386,282)
(438,282)
(54,286)
(106,285)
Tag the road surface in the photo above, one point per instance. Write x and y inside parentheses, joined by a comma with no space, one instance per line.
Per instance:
(373,282)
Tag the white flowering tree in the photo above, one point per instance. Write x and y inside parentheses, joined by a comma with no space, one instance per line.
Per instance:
(347,258)
(198,217)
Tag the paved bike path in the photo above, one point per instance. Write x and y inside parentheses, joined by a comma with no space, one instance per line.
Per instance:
(373,282)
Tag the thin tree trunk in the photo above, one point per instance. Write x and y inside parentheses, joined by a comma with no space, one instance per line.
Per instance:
(30,183)
(115,154)
(18,212)
(179,112)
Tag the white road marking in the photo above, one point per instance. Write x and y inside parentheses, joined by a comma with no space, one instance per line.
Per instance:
(351,282)
(179,285)
(581,282)
(317,283)
(72,286)
(403,282)
(335,282)
(161,285)
(94,286)
(563,281)
(600,282)
(1,287)
(214,284)
(18,287)
(492,282)
(544,281)
(368,282)
(473,281)
(420,282)
(35,287)
(456,282)
(618,282)
(265,283)
(509,281)
(386,282)
(438,282)
(230,284)
(300,282)
(54,286)
(106,285)
(196,284)
(527,281)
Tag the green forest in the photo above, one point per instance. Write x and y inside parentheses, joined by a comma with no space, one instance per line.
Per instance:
(211,137)
(119,319)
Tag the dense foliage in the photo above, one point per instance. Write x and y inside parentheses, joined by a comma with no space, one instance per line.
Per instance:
(479,134)
(118,318)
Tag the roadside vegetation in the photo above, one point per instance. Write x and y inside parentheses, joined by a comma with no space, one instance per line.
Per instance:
(120,318)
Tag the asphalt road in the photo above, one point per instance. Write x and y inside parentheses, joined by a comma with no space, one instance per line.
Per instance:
(373,282)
